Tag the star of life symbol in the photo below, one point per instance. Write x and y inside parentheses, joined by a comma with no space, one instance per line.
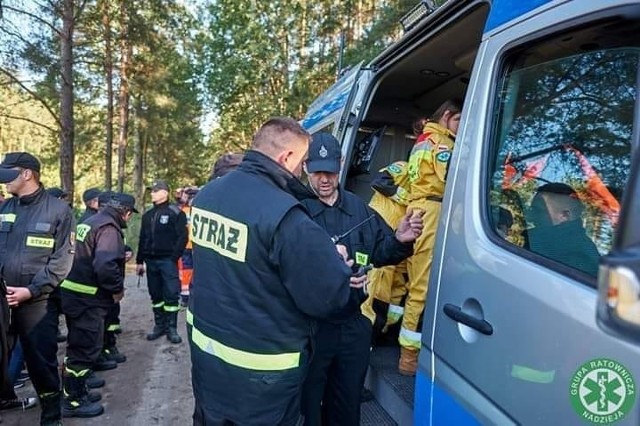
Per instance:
(602,391)
(323,151)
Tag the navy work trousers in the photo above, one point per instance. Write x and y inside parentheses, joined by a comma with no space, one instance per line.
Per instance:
(85,337)
(163,283)
(331,392)
(36,325)
(111,325)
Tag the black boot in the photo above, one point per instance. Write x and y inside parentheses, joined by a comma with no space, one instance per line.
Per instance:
(94,396)
(113,354)
(172,331)
(50,413)
(160,328)
(76,401)
(103,363)
(93,381)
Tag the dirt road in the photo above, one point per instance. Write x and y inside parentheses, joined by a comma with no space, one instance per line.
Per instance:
(153,387)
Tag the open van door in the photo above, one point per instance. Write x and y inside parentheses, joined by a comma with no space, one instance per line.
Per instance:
(619,277)
(336,110)
(330,111)
(510,333)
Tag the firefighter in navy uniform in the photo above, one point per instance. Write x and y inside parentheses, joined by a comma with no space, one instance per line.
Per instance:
(95,283)
(36,253)
(163,237)
(90,199)
(331,393)
(262,271)
(110,355)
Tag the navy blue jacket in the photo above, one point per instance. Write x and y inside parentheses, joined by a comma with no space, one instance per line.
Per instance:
(99,259)
(263,270)
(36,242)
(373,242)
(163,233)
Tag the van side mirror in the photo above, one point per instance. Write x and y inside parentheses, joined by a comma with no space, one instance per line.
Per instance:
(619,294)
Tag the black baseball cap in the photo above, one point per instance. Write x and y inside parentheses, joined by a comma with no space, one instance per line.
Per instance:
(120,199)
(8,175)
(159,185)
(57,192)
(191,191)
(20,159)
(104,197)
(324,154)
(90,194)
(11,160)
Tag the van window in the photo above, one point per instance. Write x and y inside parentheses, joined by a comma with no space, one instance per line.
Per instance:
(562,144)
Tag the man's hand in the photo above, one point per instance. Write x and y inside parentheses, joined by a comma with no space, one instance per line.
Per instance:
(342,251)
(140,270)
(17,295)
(117,297)
(359,282)
(410,226)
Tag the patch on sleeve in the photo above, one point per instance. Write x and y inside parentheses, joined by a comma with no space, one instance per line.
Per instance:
(81,232)
(394,168)
(444,156)
(43,227)
(362,259)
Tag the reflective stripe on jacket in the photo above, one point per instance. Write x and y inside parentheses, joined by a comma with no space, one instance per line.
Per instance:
(429,161)
(36,242)
(98,266)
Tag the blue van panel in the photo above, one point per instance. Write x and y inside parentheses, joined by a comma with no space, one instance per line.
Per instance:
(505,10)
(446,410)
(333,105)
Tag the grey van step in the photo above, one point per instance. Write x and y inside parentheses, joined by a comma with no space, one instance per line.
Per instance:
(393,391)
(372,414)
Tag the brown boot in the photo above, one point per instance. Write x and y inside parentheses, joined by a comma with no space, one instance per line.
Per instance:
(408,361)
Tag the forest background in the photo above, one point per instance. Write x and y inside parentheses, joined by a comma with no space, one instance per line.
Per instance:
(116,93)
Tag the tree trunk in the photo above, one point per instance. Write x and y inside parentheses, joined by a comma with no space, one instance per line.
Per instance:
(138,159)
(66,98)
(125,52)
(108,76)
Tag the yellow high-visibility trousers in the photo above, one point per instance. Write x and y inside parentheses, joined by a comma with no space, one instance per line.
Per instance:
(386,284)
(419,267)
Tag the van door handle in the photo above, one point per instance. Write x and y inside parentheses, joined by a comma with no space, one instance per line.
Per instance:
(455,313)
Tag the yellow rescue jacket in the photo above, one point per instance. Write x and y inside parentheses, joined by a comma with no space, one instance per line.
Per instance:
(428,162)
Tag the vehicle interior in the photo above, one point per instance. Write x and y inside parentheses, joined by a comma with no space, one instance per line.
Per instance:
(411,88)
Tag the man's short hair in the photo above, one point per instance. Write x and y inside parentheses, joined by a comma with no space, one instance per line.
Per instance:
(558,196)
(225,164)
(268,136)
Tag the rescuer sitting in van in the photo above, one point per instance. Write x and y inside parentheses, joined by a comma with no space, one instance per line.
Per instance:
(556,211)
(428,164)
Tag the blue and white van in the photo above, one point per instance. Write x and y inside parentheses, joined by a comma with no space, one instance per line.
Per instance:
(512,333)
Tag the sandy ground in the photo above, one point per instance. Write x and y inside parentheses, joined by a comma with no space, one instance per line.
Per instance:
(153,387)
